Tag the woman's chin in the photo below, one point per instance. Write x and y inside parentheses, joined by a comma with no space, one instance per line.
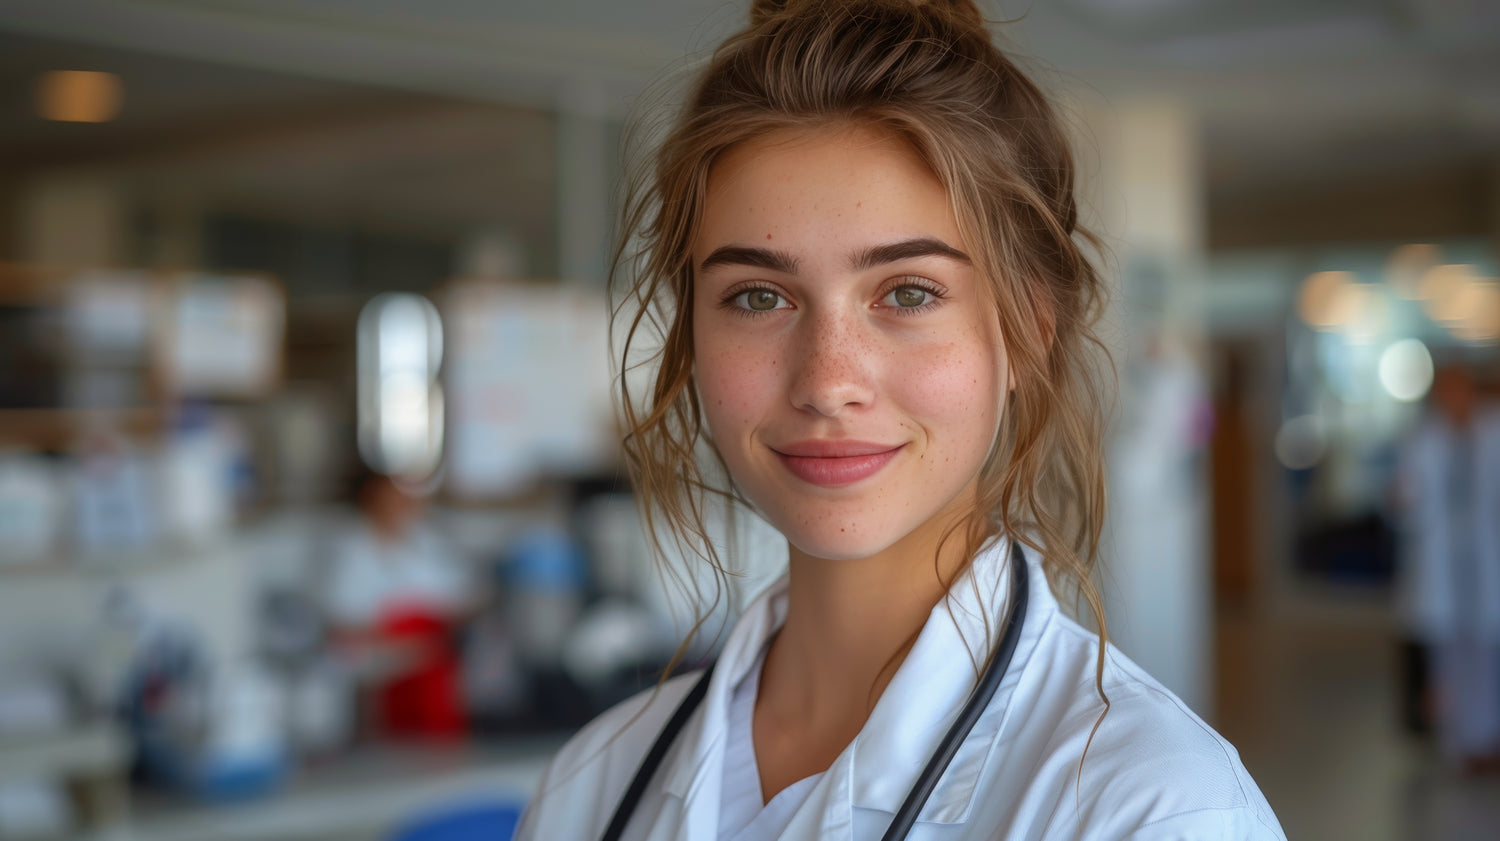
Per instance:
(843,544)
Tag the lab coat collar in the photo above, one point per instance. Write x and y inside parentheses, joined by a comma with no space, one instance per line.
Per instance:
(915,710)
(925,696)
(695,776)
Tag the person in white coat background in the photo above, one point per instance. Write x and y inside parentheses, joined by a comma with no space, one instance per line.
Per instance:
(855,265)
(1449,482)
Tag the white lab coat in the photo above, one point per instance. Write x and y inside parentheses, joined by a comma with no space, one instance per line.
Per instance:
(1153,771)
(1441,600)
(1450,575)
(370,575)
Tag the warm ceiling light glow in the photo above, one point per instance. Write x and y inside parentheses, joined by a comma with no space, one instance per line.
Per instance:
(1407,265)
(79,96)
(1442,291)
(1359,311)
(1331,301)
(1479,302)
(1322,301)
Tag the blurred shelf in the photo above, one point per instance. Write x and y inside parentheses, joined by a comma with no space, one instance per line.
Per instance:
(98,563)
(27,284)
(368,793)
(53,429)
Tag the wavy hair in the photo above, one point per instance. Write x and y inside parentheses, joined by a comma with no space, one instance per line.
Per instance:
(928,73)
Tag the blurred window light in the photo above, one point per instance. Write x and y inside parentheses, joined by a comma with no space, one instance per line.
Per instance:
(400,352)
(1406,370)
(1301,442)
(1407,266)
(79,96)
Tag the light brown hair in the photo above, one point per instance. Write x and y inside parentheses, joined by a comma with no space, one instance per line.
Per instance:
(929,74)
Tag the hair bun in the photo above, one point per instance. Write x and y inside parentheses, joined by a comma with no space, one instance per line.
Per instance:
(965,10)
(763,10)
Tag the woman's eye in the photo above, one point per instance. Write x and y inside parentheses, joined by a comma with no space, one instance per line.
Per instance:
(908,297)
(758,300)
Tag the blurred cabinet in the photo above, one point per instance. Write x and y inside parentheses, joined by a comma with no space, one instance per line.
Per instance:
(84,347)
(96,367)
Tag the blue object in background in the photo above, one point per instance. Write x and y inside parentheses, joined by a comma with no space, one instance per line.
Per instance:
(546,560)
(480,821)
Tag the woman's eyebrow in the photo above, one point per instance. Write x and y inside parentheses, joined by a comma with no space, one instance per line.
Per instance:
(780,261)
(760,258)
(906,249)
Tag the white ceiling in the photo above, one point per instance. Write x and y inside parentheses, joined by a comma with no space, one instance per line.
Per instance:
(1289,90)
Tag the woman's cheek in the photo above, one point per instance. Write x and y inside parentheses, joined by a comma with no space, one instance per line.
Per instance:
(958,384)
(729,382)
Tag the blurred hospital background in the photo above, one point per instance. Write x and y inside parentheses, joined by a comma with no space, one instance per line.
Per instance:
(312,522)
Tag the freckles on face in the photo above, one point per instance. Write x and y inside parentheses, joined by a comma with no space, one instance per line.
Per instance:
(957,382)
(848,369)
(735,389)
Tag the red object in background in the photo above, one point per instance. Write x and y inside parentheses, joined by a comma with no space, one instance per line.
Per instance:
(425,701)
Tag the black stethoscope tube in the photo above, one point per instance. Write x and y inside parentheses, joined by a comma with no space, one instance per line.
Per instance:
(664,739)
(922,789)
(983,691)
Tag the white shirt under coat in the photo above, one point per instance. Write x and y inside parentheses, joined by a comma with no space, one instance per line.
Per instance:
(1154,770)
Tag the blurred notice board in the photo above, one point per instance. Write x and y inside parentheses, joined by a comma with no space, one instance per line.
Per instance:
(528,385)
(225,336)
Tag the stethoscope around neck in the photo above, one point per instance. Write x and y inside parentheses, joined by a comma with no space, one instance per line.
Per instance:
(916,798)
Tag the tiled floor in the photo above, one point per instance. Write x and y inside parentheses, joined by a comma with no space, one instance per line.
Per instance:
(1312,706)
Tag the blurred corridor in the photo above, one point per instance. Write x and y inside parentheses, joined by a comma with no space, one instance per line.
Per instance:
(1309,704)
(313,525)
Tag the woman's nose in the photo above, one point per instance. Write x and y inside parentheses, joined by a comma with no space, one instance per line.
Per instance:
(831,367)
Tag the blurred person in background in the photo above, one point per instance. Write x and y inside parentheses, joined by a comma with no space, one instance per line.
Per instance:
(859,239)
(1449,486)
(395,594)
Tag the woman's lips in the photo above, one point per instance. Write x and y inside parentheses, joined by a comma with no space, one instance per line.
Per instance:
(831,464)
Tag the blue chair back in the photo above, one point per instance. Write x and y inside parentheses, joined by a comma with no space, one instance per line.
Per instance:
(481,821)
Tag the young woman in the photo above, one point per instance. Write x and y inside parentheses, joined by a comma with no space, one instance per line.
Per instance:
(859,243)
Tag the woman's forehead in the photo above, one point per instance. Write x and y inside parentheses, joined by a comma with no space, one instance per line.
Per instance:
(838,183)
(851,136)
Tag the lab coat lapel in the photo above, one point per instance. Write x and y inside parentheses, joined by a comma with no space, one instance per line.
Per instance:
(828,814)
(924,697)
(693,776)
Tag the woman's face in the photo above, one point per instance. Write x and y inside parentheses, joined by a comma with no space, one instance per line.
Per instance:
(850,371)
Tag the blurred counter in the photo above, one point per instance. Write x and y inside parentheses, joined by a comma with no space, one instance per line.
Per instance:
(90,758)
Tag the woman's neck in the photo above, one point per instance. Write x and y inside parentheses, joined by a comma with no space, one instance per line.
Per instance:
(849,623)
(849,626)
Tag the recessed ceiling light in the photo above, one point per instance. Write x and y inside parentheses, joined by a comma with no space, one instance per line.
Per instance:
(79,96)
